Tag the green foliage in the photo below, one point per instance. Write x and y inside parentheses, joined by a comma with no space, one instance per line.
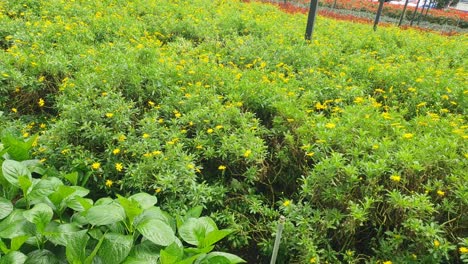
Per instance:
(48,222)
(359,141)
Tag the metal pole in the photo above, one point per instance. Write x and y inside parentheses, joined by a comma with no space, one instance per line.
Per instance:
(422,11)
(415,11)
(379,12)
(311,19)
(403,13)
(427,10)
(278,239)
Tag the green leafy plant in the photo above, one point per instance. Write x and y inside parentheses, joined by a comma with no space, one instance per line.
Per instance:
(43,220)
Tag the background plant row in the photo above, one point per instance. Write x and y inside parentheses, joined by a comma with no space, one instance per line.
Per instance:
(359,137)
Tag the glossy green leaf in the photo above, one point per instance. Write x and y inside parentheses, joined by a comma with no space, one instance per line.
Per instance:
(145,200)
(233,259)
(18,241)
(40,215)
(115,248)
(13,169)
(156,231)
(75,248)
(6,207)
(171,254)
(194,230)
(15,225)
(105,214)
(215,236)
(41,256)
(13,257)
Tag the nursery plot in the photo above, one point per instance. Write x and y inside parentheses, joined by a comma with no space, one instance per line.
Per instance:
(358,137)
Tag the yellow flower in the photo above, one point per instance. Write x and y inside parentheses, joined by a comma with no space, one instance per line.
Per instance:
(109,115)
(109,183)
(222,167)
(122,138)
(116,151)
(150,103)
(387,262)
(219,127)
(436,243)
(158,190)
(408,136)
(330,125)
(463,250)
(287,203)
(14,110)
(313,260)
(358,100)
(119,166)
(26,135)
(145,135)
(41,102)
(96,165)
(209,130)
(320,106)
(247,153)
(395,178)
(440,193)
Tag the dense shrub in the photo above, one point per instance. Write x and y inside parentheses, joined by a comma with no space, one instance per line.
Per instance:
(358,137)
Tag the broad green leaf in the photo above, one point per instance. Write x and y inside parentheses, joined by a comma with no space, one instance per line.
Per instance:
(80,191)
(17,149)
(155,213)
(13,257)
(58,233)
(115,248)
(215,260)
(6,207)
(171,254)
(156,231)
(233,259)
(75,248)
(41,256)
(3,247)
(17,242)
(145,251)
(34,165)
(194,230)
(103,201)
(40,215)
(79,204)
(24,183)
(199,250)
(215,236)
(191,259)
(132,208)
(133,260)
(194,212)
(105,214)
(72,177)
(15,225)
(59,196)
(43,188)
(144,199)
(13,169)
(91,258)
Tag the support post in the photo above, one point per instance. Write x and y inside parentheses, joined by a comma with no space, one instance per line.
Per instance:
(279,231)
(403,13)
(415,11)
(422,12)
(379,12)
(311,19)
